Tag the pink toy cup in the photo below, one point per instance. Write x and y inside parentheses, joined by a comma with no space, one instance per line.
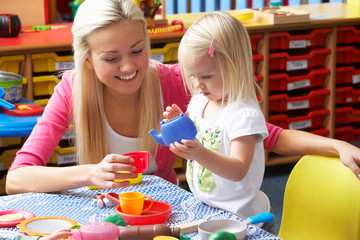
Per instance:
(141,160)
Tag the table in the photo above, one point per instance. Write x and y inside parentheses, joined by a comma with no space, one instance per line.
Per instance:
(79,205)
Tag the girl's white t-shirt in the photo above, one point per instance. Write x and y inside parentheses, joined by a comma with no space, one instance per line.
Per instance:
(242,198)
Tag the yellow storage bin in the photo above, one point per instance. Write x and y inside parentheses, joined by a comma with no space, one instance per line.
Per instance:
(179,163)
(50,62)
(9,141)
(11,63)
(166,54)
(70,133)
(6,158)
(63,156)
(44,85)
(42,102)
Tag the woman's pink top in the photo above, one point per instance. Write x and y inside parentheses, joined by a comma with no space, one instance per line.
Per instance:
(56,118)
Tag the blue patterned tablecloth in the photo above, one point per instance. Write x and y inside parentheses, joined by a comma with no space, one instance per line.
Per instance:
(79,205)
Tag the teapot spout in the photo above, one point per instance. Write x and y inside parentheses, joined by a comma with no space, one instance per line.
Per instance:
(157,137)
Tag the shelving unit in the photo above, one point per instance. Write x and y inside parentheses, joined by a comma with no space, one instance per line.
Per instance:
(311,62)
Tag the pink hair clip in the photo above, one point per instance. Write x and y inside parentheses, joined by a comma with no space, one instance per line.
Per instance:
(212,48)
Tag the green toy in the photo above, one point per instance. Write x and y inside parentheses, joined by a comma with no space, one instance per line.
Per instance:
(222,235)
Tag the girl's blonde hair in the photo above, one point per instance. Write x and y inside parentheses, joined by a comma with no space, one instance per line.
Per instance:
(232,53)
(88,105)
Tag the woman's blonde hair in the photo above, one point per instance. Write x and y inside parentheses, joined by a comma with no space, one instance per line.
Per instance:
(232,53)
(88,105)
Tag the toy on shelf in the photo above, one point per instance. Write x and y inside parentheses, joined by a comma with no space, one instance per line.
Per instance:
(176,25)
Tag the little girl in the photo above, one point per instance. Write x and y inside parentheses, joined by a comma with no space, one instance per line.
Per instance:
(226,160)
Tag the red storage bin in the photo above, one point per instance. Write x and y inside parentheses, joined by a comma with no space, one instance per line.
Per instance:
(347,54)
(286,82)
(286,40)
(314,118)
(284,61)
(347,133)
(257,58)
(254,39)
(348,34)
(282,102)
(345,115)
(347,95)
(322,132)
(347,75)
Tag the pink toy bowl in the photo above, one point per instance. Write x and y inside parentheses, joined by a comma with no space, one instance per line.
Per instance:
(141,160)
(158,213)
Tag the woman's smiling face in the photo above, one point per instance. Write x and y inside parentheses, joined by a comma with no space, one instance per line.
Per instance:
(119,56)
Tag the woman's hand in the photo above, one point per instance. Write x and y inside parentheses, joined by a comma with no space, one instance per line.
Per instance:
(104,173)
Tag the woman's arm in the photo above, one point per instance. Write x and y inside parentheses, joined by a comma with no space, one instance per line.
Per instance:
(52,179)
(296,142)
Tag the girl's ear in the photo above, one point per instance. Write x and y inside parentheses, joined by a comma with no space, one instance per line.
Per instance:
(89,63)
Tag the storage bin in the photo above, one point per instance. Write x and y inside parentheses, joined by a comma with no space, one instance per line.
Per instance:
(347,75)
(42,102)
(51,62)
(283,102)
(297,39)
(347,133)
(347,54)
(166,54)
(348,34)
(288,82)
(347,95)
(255,39)
(179,163)
(9,141)
(257,58)
(63,156)
(7,157)
(44,85)
(285,61)
(345,115)
(322,132)
(314,118)
(11,63)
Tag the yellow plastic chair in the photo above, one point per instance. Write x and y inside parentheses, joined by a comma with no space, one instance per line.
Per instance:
(321,201)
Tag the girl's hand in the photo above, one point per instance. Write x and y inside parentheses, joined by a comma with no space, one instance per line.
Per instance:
(189,149)
(104,173)
(172,112)
(60,234)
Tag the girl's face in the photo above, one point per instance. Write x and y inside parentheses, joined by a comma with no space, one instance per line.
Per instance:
(206,74)
(119,56)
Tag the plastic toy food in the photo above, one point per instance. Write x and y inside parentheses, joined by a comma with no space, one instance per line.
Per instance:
(222,235)
(148,232)
(181,127)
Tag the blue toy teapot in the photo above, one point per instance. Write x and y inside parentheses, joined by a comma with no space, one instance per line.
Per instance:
(181,127)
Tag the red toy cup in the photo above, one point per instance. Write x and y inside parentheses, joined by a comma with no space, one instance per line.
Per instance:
(141,160)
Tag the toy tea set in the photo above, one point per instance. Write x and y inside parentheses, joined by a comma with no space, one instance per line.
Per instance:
(137,216)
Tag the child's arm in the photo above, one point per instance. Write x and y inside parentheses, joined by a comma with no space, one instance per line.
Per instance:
(233,167)
(60,234)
